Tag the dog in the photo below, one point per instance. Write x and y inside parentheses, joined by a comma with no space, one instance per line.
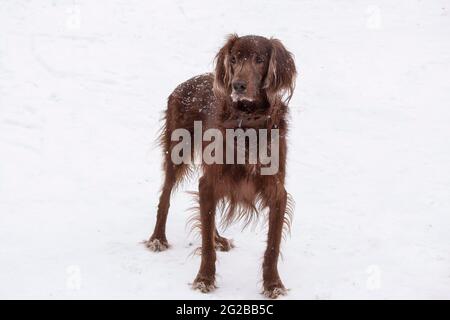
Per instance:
(254,80)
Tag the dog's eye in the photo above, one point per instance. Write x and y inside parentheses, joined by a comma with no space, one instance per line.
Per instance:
(259,60)
(233,60)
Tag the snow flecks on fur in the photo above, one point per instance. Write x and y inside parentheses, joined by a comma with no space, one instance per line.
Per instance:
(156,245)
(203,287)
(274,293)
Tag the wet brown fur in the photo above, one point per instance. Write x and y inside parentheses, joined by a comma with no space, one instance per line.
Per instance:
(239,192)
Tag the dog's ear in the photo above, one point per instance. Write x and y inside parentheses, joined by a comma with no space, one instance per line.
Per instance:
(222,75)
(280,79)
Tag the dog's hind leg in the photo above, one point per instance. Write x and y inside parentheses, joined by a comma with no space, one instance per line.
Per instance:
(221,243)
(174,173)
(158,240)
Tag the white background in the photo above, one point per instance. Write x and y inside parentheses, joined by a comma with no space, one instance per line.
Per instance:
(82,88)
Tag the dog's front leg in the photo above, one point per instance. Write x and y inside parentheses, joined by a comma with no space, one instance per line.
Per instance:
(205,280)
(273,287)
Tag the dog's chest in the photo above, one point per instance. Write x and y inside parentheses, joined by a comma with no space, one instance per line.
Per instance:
(240,183)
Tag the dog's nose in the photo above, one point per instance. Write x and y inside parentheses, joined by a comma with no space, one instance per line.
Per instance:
(239,86)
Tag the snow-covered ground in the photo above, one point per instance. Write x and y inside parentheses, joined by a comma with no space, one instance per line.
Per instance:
(82,87)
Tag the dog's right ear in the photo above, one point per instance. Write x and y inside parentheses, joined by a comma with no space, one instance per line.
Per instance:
(222,75)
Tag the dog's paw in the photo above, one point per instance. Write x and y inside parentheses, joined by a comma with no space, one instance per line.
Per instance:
(274,290)
(275,293)
(223,244)
(157,245)
(204,284)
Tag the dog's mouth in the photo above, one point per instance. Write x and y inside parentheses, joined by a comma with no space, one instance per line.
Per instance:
(236,97)
(244,103)
(247,106)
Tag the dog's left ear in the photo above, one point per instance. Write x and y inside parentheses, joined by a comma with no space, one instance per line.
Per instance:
(280,79)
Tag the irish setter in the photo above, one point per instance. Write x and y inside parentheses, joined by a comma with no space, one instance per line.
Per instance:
(252,84)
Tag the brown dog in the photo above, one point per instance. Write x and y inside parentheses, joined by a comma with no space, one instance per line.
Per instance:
(253,82)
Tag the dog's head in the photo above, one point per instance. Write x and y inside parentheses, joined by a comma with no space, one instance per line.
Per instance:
(252,68)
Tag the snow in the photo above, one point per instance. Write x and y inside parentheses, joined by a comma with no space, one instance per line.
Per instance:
(82,88)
